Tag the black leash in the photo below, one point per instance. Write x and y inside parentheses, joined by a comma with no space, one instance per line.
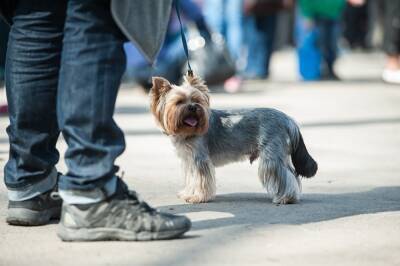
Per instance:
(190,72)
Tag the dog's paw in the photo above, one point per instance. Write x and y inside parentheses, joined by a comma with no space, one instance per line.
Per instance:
(285,200)
(182,194)
(196,198)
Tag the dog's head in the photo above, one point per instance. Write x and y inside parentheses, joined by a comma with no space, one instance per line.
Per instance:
(181,110)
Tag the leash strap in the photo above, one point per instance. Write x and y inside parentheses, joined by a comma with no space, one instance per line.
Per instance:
(190,72)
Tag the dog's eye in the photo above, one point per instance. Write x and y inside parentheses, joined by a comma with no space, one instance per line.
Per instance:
(179,102)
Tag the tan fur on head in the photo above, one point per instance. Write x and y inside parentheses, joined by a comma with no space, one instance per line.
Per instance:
(196,82)
(180,110)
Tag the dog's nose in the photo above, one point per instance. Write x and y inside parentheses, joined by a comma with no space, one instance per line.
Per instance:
(192,108)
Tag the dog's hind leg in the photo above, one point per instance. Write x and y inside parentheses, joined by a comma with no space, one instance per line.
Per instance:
(277,177)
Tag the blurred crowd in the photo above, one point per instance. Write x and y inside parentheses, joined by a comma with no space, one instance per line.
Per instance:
(232,40)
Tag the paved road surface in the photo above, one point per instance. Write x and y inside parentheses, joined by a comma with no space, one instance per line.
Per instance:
(349,214)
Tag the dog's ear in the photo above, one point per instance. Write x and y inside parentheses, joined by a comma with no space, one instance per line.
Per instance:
(196,82)
(160,87)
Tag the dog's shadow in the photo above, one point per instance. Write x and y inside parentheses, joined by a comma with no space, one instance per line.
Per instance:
(257,209)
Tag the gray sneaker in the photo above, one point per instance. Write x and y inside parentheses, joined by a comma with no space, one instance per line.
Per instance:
(121,217)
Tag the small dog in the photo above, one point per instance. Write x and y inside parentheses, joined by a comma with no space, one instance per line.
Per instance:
(206,138)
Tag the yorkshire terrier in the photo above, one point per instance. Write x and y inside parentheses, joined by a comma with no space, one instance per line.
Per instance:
(207,138)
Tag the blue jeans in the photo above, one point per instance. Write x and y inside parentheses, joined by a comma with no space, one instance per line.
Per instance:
(63,69)
(316,40)
(225,17)
(170,62)
(259,38)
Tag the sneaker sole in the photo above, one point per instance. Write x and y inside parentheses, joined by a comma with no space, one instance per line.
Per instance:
(27,217)
(103,234)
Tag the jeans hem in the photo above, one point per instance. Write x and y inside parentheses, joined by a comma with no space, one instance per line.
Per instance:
(34,190)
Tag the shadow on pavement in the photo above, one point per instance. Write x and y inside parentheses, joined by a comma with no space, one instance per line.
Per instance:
(256,209)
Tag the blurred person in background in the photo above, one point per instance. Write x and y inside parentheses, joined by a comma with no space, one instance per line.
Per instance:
(355,25)
(317,33)
(260,23)
(391,72)
(172,58)
(226,18)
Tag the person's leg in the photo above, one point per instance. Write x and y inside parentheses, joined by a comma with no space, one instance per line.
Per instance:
(329,34)
(97,204)
(392,35)
(256,50)
(234,27)
(269,27)
(32,67)
(392,29)
(355,26)
(233,33)
(214,14)
(93,61)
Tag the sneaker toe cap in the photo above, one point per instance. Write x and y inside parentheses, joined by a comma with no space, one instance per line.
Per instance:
(175,222)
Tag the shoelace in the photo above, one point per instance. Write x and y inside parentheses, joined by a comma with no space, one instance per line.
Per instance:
(134,198)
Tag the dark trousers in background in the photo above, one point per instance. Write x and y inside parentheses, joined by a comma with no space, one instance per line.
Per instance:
(74,95)
(355,25)
(391,43)
(259,38)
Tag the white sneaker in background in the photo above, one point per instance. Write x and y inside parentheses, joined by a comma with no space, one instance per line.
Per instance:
(391,76)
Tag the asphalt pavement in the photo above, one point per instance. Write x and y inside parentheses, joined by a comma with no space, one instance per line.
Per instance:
(349,213)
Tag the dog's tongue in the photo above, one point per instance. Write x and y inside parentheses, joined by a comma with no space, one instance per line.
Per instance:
(191,121)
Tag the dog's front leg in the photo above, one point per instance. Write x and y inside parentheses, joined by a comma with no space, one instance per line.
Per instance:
(187,177)
(199,180)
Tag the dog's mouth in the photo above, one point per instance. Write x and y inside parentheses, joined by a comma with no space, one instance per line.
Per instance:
(191,121)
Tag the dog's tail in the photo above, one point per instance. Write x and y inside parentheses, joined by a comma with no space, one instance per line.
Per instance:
(303,163)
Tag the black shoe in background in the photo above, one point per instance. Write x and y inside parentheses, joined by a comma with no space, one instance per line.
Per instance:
(36,211)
